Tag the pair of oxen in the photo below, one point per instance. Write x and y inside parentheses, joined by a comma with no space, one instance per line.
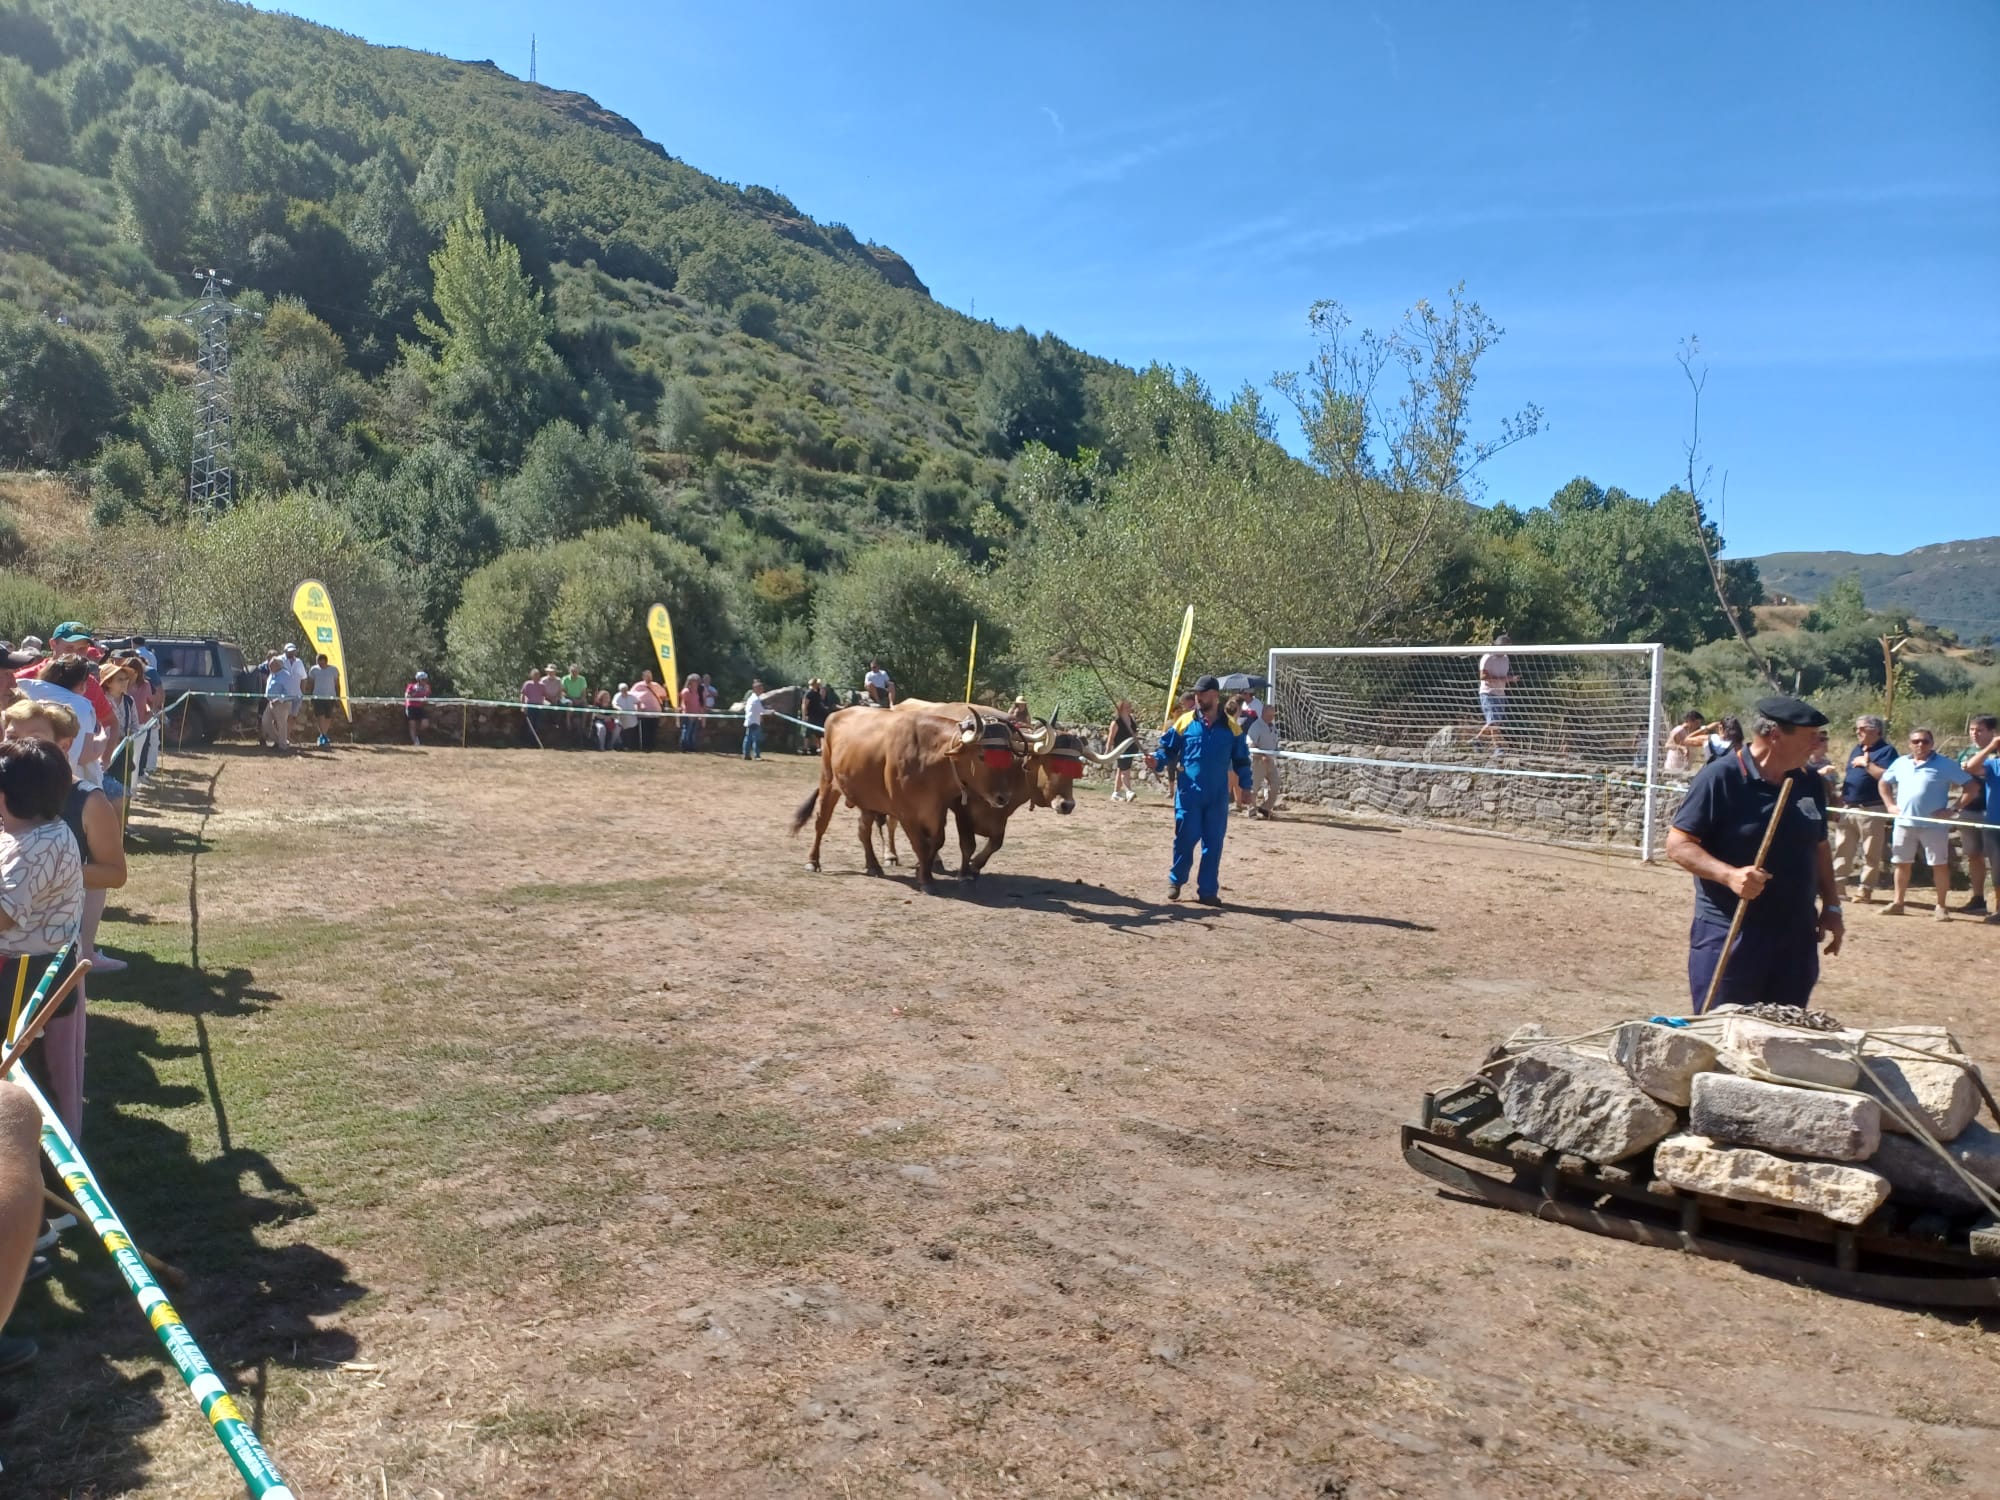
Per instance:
(913,764)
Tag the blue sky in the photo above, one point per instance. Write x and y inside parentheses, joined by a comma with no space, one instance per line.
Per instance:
(1813,189)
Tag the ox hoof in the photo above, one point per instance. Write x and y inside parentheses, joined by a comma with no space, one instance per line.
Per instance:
(813,865)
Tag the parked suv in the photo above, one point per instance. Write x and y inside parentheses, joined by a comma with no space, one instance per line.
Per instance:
(206,667)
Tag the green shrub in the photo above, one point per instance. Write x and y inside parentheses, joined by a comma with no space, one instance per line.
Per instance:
(29,606)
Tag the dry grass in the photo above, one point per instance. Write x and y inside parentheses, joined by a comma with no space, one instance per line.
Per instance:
(515,1151)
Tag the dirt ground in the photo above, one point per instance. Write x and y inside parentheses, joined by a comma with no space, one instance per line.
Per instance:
(535,1124)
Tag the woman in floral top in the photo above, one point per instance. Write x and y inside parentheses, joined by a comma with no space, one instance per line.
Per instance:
(41,872)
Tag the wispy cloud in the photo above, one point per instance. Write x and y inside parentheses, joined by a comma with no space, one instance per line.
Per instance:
(1054,119)
(1388,42)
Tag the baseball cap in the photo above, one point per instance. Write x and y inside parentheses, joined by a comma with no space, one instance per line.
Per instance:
(1788,710)
(291,645)
(423,676)
(71,630)
(1207,684)
(12,659)
(33,644)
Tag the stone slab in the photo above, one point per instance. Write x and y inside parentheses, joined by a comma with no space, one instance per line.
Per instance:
(1918,1177)
(1807,1056)
(1941,1095)
(1584,1104)
(1776,1117)
(1696,1164)
(1662,1060)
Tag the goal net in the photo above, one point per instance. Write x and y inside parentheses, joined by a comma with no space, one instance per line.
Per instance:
(1560,744)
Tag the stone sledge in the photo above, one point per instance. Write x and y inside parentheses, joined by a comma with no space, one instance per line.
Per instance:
(1901,1254)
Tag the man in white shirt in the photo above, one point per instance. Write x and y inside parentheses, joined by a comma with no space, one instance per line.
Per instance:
(278,700)
(753,721)
(626,702)
(87,769)
(1495,673)
(294,670)
(881,692)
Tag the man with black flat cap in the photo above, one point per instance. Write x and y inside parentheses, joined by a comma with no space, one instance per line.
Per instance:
(1794,902)
(1208,746)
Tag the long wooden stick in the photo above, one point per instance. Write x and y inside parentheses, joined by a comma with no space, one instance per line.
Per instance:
(166,1270)
(1742,903)
(42,1016)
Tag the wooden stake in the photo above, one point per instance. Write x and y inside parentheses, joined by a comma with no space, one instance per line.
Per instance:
(1742,904)
(49,1008)
(167,1271)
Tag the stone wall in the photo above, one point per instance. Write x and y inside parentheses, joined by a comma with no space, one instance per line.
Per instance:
(1607,810)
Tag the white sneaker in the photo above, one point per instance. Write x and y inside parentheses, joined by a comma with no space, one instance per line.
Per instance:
(104,963)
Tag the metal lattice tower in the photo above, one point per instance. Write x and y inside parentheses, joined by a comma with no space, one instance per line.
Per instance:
(210,484)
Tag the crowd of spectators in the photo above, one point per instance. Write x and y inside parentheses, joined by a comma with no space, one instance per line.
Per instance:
(1890,806)
(71,715)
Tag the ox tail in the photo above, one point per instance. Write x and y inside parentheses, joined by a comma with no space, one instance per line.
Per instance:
(805,810)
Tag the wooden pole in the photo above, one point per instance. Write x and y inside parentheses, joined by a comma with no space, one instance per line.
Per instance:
(1742,903)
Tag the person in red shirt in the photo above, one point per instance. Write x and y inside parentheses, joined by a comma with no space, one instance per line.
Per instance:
(71,638)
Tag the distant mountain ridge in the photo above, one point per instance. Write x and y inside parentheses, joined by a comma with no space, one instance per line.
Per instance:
(1953,585)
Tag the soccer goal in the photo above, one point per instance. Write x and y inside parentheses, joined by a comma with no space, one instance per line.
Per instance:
(1565,750)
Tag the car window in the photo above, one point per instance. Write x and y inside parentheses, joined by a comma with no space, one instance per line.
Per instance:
(187,659)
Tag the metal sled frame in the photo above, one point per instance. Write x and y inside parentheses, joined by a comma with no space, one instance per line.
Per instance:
(1918,1259)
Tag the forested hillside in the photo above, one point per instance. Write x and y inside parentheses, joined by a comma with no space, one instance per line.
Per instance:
(1954,585)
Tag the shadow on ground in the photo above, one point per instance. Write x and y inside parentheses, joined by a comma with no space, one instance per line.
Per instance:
(250,1304)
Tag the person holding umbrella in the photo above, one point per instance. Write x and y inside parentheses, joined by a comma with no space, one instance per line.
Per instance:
(1208,747)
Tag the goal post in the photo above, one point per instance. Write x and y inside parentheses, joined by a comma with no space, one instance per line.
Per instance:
(1566,750)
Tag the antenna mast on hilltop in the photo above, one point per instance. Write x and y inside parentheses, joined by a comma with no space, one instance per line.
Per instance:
(531,57)
(209,473)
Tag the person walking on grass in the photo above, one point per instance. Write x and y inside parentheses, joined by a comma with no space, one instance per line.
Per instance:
(1262,737)
(325,679)
(1208,748)
(816,705)
(533,696)
(416,706)
(651,702)
(1917,786)
(753,721)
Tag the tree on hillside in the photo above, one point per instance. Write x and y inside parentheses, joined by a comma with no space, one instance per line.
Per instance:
(496,380)
(156,189)
(585,600)
(428,517)
(571,482)
(913,606)
(1843,604)
(1031,392)
(57,396)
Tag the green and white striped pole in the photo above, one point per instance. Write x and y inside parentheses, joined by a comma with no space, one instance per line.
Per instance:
(235,1434)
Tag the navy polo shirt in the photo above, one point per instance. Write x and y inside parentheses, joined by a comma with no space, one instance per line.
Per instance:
(1726,810)
(1860,789)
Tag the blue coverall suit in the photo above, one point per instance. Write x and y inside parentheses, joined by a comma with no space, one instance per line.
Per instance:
(1206,754)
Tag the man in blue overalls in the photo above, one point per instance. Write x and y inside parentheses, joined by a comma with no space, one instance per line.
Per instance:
(1207,745)
(1794,903)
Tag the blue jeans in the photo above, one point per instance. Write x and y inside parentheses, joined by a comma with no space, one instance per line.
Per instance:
(690,733)
(753,741)
(1203,823)
(1779,965)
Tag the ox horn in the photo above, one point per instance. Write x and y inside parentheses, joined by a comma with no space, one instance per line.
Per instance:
(1109,756)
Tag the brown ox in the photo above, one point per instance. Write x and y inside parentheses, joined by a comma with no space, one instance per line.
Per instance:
(909,768)
(1051,760)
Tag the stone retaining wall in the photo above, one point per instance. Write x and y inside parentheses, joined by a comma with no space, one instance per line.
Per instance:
(1607,810)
